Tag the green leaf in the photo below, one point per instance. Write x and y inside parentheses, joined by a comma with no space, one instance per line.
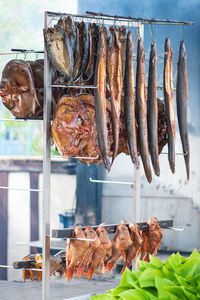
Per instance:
(190,268)
(129,278)
(183,282)
(151,292)
(120,289)
(137,294)
(147,277)
(195,254)
(156,262)
(103,297)
(177,291)
(169,274)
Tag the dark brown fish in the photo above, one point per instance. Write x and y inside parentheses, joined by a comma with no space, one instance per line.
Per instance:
(108,49)
(129,104)
(85,43)
(141,109)
(115,89)
(169,102)
(59,51)
(93,37)
(68,25)
(100,100)
(152,110)
(123,41)
(182,99)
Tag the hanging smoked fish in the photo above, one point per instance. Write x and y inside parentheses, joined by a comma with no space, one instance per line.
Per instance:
(59,50)
(122,40)
(152,110)
(169,102)
(182,98)
(116,84)
(100,100)
(129,105)
(141,109)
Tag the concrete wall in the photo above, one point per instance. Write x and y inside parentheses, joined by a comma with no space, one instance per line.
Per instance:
(62,199)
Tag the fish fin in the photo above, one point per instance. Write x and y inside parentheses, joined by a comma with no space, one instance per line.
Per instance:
(89,273)
(106,163)
(80,271)
(69,273)
(124,267)
(109,266)
(187,164)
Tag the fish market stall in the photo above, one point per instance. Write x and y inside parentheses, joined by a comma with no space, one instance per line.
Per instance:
(94,109)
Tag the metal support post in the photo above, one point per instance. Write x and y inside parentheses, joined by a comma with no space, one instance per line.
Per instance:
(46,173)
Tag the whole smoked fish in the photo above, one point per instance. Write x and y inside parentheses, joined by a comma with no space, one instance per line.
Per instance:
(152,110)
(93,38)
(59,50)
(116,84)
(129,105)
(100,100)
(141,109)
(181,99)
(169,102)
(123,41)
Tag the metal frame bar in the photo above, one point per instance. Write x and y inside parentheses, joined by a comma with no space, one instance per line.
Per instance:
(20,189)
(111,228)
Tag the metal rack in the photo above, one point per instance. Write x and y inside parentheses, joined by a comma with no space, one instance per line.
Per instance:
(100,19)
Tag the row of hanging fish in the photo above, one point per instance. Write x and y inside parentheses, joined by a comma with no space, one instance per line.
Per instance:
(102,57)
(92,251)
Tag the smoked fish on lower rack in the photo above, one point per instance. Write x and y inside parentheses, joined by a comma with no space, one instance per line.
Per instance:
(181,100)
(141,110)
(169,102)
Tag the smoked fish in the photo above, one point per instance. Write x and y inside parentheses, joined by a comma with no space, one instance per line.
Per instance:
(93,38)
(129,104)
(68,25)
(123,41)
(101,251)
(94,245)
(169,102)
(84,50)
(75,251)
(182,99)
(141,109)
(116,84)
(59,50)
(152,110)
(100,100)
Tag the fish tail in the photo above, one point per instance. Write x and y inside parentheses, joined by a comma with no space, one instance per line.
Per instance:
(80,271)
(146,258)
(109,266)
(124,267)
(106,163)
(69,273)
(89,273)
(187,164)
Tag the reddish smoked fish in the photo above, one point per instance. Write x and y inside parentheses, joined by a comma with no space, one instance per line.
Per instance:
(116,84)
(169,102)
(182,99)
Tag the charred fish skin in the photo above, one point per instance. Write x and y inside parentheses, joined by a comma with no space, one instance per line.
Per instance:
(182,99)
(59,51)
(152,110)
(141,109)
(115,89)
(129,105)
(100,100)
(169,102)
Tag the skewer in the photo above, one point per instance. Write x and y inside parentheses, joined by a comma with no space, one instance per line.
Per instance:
(74,86)
(67,232)
(11,267)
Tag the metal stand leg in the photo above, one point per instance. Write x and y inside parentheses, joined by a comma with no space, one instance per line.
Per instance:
(46,174)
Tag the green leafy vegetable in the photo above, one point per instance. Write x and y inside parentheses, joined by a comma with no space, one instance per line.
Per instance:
(177,278)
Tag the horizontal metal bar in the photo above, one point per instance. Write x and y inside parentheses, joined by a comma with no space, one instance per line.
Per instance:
(176,229)
(19,189)
(27,51)
(82,239)
(74,86)
(11,267)
(110,181)
(177,153)
(67,232)
(141,20)
(21,120)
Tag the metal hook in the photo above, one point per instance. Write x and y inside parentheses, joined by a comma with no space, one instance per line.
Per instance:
(152,34)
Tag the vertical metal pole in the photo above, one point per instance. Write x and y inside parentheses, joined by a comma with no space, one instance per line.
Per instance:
(46,173)
(137,171)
